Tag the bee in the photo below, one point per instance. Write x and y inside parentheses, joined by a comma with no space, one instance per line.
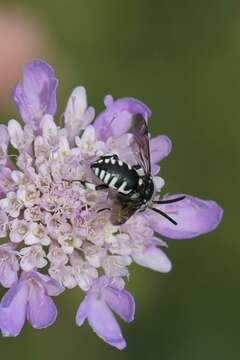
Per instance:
(132,185)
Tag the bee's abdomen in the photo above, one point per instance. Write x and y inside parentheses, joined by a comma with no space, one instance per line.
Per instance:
(116,174)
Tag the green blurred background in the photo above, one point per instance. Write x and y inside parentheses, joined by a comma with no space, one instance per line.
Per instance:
(182,58)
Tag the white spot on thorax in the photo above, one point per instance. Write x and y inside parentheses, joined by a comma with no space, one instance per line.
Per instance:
(120,163)
(102,174)
(113,182)
(107,161)
(107,178)
(96,170)
(122,188)
(113,161)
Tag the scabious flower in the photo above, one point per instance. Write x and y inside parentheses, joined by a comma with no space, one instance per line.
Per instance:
(57,237)
(29,298)
(105,296)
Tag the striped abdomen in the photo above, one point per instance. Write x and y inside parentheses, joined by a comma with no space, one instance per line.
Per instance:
(116,174)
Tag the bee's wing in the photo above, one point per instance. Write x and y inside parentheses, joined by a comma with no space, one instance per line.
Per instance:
(140,143)
(122,208)
(121,211)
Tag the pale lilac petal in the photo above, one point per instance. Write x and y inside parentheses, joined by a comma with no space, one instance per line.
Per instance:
(104,324)
(52,287)
(8,264)
(160,147)
(155,169)
(4,142)
(3,227)
(153,258)
(77,115)
(4,137)
(116,119)
(8,275)
(13,309)
(82,312)
(35,94)
(194,217)
(6,183)
(156,242)
(41,310)
(120,301)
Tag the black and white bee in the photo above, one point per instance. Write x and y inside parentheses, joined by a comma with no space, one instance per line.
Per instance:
(132,184)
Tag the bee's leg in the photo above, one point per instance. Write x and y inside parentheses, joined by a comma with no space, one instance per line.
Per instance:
(101,187)
(85,207)
(100,210)
(86,184)
(92,186)
(89,185)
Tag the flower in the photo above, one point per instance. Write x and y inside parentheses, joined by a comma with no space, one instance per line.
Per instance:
(194,217)
(49,210)
(8,265)
(35,94)
(29,298)
(103,298)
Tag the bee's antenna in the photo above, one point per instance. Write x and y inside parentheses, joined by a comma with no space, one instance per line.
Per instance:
(169,201)
(164,215)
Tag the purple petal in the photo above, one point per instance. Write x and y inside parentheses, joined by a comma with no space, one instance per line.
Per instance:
(35,94)
(116,119)
(104,324)
(156,242)
(153,258)
(194,217)
(6,183)
(41,310)
(120,301)
(3,233)
(155,169)
(8,275)
(13,309)
(82,312)
(4,137)
(52,287)
(160,147)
